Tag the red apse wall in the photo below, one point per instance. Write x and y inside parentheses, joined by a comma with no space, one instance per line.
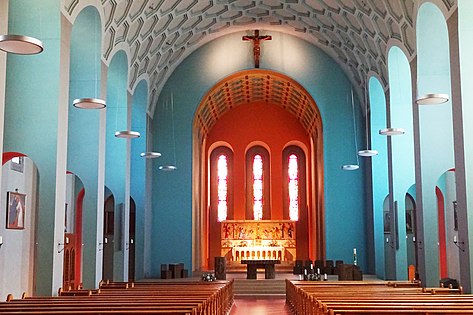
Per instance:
(265,123)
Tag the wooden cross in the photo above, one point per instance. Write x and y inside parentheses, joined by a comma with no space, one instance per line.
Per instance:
(256,39)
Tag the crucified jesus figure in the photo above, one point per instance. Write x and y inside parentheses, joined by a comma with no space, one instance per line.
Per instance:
(256,39)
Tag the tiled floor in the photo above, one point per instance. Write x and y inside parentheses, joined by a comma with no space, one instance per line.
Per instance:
(259,306)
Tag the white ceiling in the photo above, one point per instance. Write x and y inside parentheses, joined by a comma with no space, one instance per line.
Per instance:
(161,33)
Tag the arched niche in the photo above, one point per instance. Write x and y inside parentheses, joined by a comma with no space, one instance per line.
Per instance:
(447,210)
(308,124)
(435,128)
(19,213)
(73,232)
(84,132)
(140,180)
(402,149)
(379,169)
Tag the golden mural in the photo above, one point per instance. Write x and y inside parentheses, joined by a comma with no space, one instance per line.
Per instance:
(260,239)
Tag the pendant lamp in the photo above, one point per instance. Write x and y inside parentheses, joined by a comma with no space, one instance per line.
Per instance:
(352,167)
(171,167)
(127,134)
(92,102)
(20,44)
(367,152)
(432,99)
(150,155)
(392,131)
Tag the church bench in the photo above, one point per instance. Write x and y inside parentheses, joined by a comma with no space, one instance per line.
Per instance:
(160,298)
(320,298)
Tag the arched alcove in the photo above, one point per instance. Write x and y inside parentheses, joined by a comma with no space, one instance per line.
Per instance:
(138,180)
(19,208)
(435,126)
(402,152)
(84,130)
(116,156)
(379,169)
(73,236)
(299,113)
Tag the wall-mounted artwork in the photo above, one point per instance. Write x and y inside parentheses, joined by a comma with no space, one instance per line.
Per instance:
(16,210)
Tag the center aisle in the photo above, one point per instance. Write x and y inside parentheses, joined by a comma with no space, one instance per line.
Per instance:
(264,305)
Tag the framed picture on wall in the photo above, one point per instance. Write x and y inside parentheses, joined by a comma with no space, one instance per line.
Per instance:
(15,210)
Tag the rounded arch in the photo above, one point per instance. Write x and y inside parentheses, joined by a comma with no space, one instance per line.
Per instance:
(279,90)
(19,201)
(72,12)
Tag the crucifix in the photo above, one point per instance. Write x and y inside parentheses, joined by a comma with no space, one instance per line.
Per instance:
(256,39)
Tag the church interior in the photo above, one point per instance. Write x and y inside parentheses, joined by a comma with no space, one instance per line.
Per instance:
(321,130)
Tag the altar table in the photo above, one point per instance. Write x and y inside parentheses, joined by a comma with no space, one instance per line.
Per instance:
(257,252)
(253,264)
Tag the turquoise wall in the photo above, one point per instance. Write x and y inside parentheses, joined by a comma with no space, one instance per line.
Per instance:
(379,170)
(31,115)
(83,136)
(435,124)
(328,85)
(138,172)
(403,165)
(115,151)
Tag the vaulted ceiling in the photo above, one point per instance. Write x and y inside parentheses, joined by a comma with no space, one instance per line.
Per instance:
(159,34)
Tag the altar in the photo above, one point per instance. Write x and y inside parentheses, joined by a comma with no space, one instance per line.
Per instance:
(257,253)
(252,266)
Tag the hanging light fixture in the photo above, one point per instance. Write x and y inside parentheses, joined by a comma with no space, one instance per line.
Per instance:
(171,167)
(20,44)
(352,167)
(367,152)
(432,99)
(127,134)
(392,131)
(91,102)
(150,155)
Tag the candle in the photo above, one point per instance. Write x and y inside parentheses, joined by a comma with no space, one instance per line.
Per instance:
(455,239)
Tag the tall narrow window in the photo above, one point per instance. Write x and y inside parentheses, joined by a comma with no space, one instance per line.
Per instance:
(293,176)
(294,184)
(220,185)
(222,174)
(258,187)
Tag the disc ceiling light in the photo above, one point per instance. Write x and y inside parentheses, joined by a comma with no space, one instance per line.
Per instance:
(367,152)
(432,99)
(127,134)
(392,131)
(170,167)
(20,44)
(92,102)
(352,167)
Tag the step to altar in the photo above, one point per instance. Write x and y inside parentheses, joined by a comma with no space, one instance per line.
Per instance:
(284,267)
(259,287)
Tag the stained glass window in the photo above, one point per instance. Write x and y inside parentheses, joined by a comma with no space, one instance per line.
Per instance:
(293,172)
(222,173)
(258,187)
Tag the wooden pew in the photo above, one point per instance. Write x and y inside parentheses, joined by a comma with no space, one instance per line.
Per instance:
(190,298)
(374,298)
